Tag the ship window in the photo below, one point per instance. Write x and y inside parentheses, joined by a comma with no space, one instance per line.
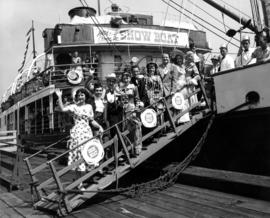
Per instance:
(22,120)
(117,64)
(46,115)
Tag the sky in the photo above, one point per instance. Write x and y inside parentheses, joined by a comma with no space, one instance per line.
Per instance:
(17,15)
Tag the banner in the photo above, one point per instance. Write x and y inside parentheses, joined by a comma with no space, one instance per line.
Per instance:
(140,36)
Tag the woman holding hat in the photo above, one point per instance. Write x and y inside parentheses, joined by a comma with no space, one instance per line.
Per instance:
(82,114)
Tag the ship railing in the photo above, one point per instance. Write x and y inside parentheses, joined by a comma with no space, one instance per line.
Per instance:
(60,178)
(11,160)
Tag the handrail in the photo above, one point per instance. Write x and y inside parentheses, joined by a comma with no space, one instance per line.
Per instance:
(46,148)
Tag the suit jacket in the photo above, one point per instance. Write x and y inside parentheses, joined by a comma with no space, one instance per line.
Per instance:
(168,75)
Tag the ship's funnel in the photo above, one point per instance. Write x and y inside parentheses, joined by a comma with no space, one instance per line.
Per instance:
(82,12)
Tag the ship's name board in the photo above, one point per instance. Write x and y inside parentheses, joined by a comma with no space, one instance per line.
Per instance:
(140,36)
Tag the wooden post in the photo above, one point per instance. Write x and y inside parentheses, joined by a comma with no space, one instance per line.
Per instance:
(124,145)
(115,143)
(170,116)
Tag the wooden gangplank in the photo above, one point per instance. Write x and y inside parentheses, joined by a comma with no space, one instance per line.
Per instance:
(58,193)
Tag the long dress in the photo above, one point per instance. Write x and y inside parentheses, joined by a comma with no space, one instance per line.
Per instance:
(80,132)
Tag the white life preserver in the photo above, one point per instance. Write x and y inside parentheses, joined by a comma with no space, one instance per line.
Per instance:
(75,76)
(178,101)
(93,152)
(149,118)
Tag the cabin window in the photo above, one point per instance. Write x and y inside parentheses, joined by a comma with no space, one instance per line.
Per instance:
(32,117)
(46,115)
(22,120)
(38,117)
(10,121)
(117,65)
(62,121)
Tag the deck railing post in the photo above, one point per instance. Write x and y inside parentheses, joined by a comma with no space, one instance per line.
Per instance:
(115,143)
(204,94)
(170,116)
(119,134)
(60,186)
(34,180)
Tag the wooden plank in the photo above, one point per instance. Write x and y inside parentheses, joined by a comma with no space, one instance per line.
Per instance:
(214,202)
(140,207)
(103,211)
(20,207)
(177,203)
(229,176)
(253,204)
(182,210)
(9,154)
(7,165)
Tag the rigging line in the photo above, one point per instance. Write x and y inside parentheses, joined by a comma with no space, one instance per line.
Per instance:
(102,31)
(106,37)
(82,3)
(165,18)
(235,8)
(223,22)
(201,20)
(252,11)
(204,26)
(215,18)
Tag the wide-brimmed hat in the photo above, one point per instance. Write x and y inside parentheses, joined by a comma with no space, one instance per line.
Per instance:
(149,118)
(245,38)
(223,46)
(75,76)
(92,152)
(178,101)
(134,60)
(111,76)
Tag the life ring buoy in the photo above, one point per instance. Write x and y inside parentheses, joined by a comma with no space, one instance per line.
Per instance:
(75,76)
(93,152)
(178,101)
(149,118)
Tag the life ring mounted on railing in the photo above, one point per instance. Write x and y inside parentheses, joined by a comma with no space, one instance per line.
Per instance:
(75,76)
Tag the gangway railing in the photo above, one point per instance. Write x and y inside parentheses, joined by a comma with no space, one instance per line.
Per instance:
(11,160)
(55,193)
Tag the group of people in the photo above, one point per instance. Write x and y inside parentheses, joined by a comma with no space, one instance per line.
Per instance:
(245,56)
(96,108)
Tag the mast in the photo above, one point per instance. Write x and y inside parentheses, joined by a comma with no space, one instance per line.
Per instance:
(230,14)
(33,39)
(99,8)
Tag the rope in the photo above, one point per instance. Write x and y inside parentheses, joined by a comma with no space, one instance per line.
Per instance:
(226,3)
(160,183)
(194,15)
(205,26)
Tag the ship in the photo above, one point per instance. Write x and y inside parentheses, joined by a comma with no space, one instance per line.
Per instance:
(225,140)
